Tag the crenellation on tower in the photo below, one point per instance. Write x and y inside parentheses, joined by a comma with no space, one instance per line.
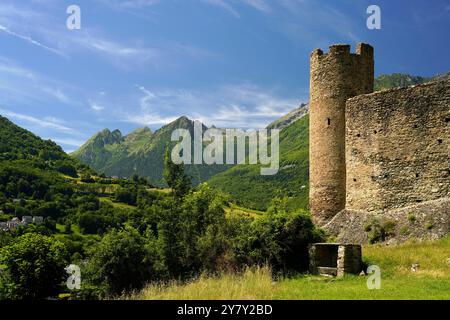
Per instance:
(375,153)
(335,77)
(364,49)
(339,49)
(316,54)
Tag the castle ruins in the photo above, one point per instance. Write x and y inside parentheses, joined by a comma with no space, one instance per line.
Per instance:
(374,153)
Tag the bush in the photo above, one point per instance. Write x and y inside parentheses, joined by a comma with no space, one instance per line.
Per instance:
(119,262)
(91,223)
(67,169)
(379,232)
(128,196)
(282,240)
(35,266)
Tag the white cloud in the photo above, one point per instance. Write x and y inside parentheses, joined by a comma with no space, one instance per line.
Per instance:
(233,106)
(130,4)
(68,142)
(50,123)
(224,5)
(116,51)
(30,40)
(95,106)
(124,54)
(22,84)
(260,5)
(57,93)
(227,5)
(149,119)
(8,66)
(315,24)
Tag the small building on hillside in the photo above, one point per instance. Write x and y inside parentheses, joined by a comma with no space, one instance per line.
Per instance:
(38,220)
(26,220)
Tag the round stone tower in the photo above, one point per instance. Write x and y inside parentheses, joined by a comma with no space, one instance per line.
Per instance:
(335,77)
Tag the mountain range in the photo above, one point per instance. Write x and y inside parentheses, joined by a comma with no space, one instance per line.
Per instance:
(141,152)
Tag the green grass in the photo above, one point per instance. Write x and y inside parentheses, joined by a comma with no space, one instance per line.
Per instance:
(119,205)
(431,281)
(234,209)
(76,233)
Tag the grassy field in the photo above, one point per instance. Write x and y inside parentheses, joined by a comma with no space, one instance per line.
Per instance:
(234,209)
(431,281)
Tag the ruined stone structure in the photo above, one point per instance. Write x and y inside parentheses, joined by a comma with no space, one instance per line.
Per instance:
(335,77)
(335,259)
(398,147)
(375,153)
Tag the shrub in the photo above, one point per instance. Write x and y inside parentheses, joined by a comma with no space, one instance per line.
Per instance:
(67,169)
(379,232)
(35,266)
(119,262)
(282,239)
(411,217)
(128,196)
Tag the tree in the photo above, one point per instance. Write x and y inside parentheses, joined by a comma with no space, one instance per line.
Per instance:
(126,195)
(282,239)
(175,176)
(67,169)
(91,223)
(119,262)
(35,265)
(68,227)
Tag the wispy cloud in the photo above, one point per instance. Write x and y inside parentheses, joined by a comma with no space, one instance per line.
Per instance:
(314,23)
(233,106)
(124,54)
(260,5)
(50,123)
(230,5)
(57,93)
(69,142)
(51,128)
(121,54)
(95,106)
(23,84)
(223,4)
(129,4)
(9,67)
(31,41)
(150,108)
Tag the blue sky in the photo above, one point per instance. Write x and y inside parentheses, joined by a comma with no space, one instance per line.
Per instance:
(231,63)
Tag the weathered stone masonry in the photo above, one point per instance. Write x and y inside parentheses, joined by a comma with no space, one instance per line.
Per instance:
(381,154)
(335,77)
(398,147)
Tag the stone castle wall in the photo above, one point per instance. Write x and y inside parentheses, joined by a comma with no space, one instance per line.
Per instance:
(398,147)
(335,77)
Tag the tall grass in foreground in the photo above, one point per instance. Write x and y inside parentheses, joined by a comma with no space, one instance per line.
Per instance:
(255,283)
(430,281)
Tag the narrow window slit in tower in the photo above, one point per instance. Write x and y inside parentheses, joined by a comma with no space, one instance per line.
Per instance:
(329,121)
